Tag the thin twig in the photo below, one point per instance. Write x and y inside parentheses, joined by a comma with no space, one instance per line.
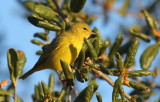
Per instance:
(70,96)
(64,17)
(103,76)
(15,97)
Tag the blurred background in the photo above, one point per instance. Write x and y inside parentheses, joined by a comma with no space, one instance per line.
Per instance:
(118,16)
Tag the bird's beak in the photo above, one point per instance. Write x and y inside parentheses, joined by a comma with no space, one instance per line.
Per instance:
(93,33)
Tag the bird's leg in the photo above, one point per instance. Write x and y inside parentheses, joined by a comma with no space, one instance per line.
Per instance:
(61,77)
(68,82)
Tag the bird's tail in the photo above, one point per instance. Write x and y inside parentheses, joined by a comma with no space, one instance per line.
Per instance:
(27,74)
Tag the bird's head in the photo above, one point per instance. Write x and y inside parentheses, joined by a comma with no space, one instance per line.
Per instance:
(82,29)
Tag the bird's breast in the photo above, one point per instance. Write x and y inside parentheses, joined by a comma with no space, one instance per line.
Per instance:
(67,51)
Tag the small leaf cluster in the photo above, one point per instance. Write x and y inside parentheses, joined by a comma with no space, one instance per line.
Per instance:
(150,53)
(16,62)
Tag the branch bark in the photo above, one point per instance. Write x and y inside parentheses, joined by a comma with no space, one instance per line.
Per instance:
(64,17)
(106,78)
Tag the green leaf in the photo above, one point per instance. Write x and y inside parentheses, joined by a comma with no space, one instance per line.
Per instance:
(138,86)
(45,12)
(134,98)
(92,81)
(97,33)
(124,48)
(139,73)
(36,93)
(124,9)
(77,5)
(118,89)
(120,64)
(99,97)
(51,4)
(82,74)
(45,88)
(148,56)
(115,46)
(62,94)
(86,94)
(139,35)
(4,92)
(37,42)
(105,70)
(104,46)
(81,58)
(152,22)
(91,49)
(98,42)
(68,74)
(115,92)
(40,22)
(19,99)
(16,62)
(12,57)
(9,89)
(51,83)
(39,52)
(30,5)
(42,36)
(129,61)
(97,46)
(121,92)
(40,90)
(20,64)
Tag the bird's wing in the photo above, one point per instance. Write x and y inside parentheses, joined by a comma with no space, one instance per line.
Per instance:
(55,44)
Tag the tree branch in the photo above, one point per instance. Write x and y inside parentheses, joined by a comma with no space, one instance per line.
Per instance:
(103,76)
(64,17)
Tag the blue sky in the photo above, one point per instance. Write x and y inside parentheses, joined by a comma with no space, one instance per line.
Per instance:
(16,32)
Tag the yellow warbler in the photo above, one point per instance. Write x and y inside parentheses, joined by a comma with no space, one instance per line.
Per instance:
(65,46)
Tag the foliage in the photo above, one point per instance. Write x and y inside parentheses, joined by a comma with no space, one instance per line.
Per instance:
(93,57)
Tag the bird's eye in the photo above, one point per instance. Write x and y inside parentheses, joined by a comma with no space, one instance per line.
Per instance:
(85,28)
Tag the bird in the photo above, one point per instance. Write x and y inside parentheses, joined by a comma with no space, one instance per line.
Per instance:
(66,46)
